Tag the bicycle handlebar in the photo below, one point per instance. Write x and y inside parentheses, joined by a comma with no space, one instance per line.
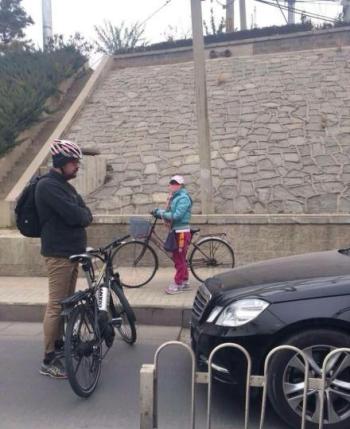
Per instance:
(109,246)
(114,243)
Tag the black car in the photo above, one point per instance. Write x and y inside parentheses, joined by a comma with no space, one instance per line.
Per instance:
(299,300)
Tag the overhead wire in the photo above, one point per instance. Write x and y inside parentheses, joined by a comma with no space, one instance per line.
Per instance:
(155,12)
(282,12)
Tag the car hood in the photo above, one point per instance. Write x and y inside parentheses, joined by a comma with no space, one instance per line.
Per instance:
(284,279)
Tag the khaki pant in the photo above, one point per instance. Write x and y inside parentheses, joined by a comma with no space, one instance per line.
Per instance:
(63,276)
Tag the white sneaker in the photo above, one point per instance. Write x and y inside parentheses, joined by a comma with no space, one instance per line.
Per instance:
(186,286)
(173,289)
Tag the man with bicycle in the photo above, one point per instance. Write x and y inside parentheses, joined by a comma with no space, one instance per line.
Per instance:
(63,219)
(178,216)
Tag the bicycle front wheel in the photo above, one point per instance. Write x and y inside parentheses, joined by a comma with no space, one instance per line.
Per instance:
(136,262)
(83,351)
(209,257)
(120,307)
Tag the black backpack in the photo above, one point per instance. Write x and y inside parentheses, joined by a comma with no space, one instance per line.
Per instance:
(27,218)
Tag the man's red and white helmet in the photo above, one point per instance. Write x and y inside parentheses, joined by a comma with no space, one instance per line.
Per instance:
(63,151)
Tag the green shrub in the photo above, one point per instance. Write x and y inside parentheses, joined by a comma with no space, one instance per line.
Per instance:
(27,79)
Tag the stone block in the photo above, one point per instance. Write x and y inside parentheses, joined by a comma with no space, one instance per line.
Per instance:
(265,164)
(259,208)
(289,182)
(282,193)
(150,159)
(245,188)
(275,127)
(249,169)
(228,173)
(275,207)
(231,156)
(264,194)
(191,159)
(241,204)
(141,199)
(333,187)
(151,169)
(324,160)
(291,157)
(160,197)
(293,206)
(326,203)
(132,183)
(122,192)
(344,205)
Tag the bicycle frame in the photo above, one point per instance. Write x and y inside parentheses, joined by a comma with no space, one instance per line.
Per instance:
(154,238)
(105,276)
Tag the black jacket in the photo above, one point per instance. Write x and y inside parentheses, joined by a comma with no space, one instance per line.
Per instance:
(63,216)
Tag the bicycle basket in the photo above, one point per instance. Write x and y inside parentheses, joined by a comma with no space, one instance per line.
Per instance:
(139,227)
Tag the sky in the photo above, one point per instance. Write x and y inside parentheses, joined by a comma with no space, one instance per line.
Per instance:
(71,16)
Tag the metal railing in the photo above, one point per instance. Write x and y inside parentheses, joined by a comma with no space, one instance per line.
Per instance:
(149,384)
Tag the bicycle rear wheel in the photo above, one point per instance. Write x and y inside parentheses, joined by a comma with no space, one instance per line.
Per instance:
(136,262)
(120,307)
(83,351)
(209,257)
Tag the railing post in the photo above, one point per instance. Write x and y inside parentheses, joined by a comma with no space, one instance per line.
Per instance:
(193,378)
(147,398)
(323,382)
(306,382)
(248,377)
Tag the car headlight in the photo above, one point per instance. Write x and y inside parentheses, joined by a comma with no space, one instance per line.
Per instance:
(238,313)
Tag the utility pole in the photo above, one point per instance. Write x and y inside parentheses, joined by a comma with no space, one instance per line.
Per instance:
(47,22)
(243,14)
(346,10)
(206,185)
(291,13)
(230,16)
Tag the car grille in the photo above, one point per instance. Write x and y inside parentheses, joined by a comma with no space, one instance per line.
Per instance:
(201,302)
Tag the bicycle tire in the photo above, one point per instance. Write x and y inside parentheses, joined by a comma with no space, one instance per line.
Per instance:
(75,351)
(137,264)
(202,261)
(120,307)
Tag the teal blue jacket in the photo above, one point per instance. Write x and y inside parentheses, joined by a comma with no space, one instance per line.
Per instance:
(179,213)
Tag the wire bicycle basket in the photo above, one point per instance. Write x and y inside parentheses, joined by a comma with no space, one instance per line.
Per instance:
(139,227)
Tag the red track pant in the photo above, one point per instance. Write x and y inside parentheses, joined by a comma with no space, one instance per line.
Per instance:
(179,257)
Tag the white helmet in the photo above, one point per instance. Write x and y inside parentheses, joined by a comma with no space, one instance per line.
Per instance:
(63,151)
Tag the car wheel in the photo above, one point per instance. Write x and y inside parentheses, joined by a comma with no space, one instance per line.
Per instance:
(286,380)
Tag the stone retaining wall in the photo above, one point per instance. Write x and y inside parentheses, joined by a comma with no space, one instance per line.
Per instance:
(280,127)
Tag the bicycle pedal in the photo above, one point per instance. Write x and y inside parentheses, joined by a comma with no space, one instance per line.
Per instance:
(116,322)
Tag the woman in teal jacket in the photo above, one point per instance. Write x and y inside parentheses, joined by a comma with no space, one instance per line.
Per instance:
(178,215)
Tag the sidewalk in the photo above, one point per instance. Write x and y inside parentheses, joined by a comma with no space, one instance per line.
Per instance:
(24,298)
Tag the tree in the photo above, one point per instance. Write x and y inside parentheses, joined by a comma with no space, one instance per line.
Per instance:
(173,33)
(214,27)
(114,39)
(13,20)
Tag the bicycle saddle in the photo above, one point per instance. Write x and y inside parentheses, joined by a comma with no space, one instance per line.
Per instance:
(83,257)
(194,230)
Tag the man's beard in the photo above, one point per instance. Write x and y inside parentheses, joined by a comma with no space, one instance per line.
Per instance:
(70,176)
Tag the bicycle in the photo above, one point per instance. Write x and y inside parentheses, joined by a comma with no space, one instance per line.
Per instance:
(138,262)
(91,317)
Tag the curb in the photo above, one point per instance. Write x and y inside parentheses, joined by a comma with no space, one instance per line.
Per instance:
(164,316)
